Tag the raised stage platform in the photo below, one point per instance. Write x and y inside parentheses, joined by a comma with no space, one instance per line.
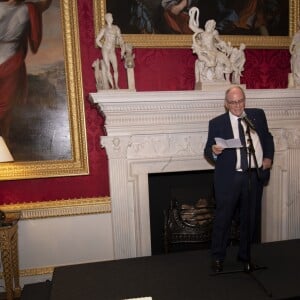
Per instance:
(183,276)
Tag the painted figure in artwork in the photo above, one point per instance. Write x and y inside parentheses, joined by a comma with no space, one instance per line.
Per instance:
(233,17)
(177,17)
(20,26)
(108,39)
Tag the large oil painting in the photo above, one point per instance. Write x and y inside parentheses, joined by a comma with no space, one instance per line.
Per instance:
(42,110)
(164,23)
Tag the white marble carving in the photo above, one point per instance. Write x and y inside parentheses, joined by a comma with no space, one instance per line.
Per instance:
(218,64)
(107,40)
(294,77)
(129,64)
(100,75)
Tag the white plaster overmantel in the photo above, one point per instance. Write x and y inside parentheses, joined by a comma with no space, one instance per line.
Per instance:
(154,132)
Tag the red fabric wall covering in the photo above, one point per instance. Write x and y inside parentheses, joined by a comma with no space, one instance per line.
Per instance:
(156,69)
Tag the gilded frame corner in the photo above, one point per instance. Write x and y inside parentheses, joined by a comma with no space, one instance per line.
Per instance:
(78,164)
(183,41)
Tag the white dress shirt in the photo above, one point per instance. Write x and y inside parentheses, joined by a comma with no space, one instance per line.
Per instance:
(255,140)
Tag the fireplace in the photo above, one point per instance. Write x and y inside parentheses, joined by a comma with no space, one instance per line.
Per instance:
(165,132)
(171,189)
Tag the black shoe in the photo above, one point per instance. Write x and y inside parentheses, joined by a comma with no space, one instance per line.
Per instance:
(250,267)
(247,265)
(217,266)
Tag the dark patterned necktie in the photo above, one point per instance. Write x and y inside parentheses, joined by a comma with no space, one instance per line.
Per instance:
(243,151)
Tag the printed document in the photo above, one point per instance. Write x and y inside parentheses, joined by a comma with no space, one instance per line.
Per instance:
(231,143)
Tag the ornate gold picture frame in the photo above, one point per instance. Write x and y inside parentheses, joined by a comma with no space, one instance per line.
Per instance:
(184,40)
(76,161)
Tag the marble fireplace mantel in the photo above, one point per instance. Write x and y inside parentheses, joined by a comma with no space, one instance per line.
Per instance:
(154,132)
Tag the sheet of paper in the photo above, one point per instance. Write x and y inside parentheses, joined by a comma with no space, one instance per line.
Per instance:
(230,143)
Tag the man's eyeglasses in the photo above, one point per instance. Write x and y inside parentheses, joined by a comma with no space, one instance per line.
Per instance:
(242,101)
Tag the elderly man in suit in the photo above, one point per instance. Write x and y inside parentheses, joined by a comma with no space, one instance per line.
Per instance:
(238,186)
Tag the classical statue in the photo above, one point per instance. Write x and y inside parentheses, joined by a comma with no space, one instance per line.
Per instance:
(206,45)
(217,63)
(294,78)
(128,56)
(129,64)
(100,74)
(237,59)
(108,38)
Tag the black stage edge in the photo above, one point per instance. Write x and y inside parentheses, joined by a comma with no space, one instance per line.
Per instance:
(184,276)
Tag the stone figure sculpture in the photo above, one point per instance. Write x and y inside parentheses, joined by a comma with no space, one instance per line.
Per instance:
(100,74)
(129,64)
(204,45)
(128,56)
(294,77)
(217,62)
(108,38)
(237,59)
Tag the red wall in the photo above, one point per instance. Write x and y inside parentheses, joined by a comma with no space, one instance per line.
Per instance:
(156,69)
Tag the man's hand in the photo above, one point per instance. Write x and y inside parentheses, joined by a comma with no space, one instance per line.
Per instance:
(267,163)
(217,149)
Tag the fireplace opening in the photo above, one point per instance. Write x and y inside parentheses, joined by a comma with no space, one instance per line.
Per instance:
(182,188)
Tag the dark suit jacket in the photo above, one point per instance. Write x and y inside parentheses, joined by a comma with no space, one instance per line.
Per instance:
(226,162)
